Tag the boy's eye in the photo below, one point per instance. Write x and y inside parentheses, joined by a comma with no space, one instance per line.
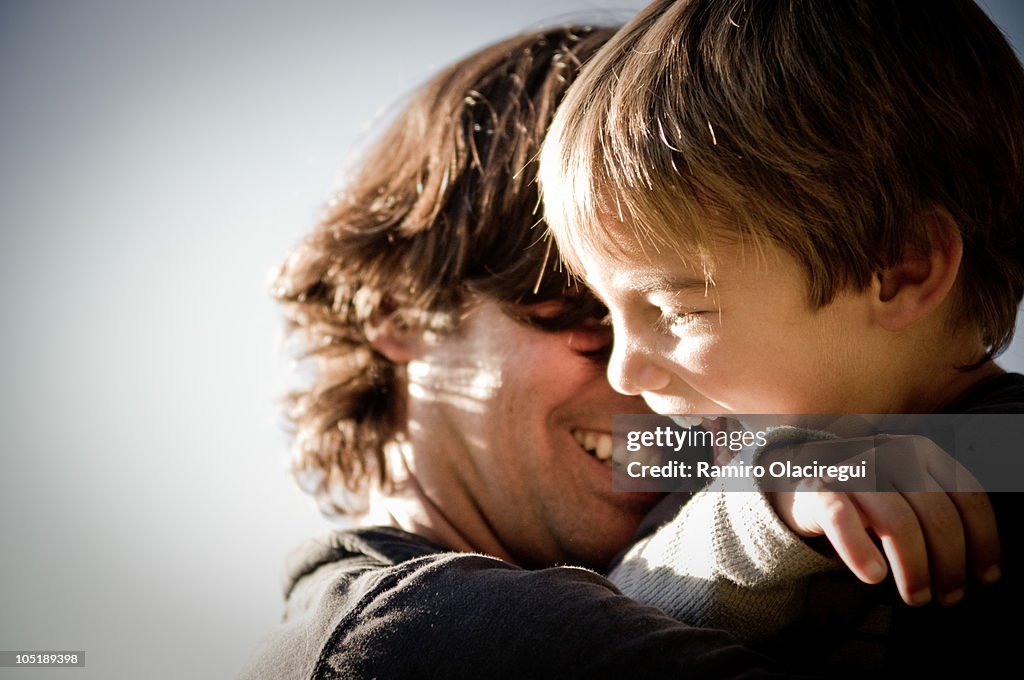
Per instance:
(673,319)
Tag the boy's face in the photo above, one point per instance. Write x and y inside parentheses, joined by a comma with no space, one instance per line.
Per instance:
(743,339)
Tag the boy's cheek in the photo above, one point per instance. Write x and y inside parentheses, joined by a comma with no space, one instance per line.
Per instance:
(696,355)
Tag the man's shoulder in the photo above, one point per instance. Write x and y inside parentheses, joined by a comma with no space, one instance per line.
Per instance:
(354,549)
(397,604)
(372,600)
(383,603)
(381,561)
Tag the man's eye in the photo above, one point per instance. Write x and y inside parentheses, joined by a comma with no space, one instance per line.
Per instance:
(545,311)
(591,340)
(600,355)
(595,346)
(599,322)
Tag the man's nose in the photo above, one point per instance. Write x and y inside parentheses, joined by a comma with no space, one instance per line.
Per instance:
(631,371)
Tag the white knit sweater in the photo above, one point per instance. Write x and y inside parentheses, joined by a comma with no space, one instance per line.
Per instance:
(726,560)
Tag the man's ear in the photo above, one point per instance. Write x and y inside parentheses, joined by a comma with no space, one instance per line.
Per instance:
(390,336)
(913,288)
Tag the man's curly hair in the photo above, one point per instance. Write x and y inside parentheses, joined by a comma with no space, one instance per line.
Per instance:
(444,206)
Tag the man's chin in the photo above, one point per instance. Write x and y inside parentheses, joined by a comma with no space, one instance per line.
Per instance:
(594,549)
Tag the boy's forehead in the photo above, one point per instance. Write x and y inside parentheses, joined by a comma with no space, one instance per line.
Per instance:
(629,263)
(611,239)
(727,264)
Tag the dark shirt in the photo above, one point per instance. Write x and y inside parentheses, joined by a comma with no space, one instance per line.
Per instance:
(861,630)
(980,635)
(383,603)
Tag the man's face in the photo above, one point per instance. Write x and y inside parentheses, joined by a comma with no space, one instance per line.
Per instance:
(737,334)
(496,413)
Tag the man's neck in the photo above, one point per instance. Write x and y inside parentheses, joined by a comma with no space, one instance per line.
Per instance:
(408,506)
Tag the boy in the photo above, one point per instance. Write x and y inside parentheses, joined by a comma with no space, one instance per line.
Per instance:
(810,208)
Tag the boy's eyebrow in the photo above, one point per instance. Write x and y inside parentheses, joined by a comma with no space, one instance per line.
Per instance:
(656,282)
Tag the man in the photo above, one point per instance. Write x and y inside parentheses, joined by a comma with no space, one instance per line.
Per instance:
(458,406)
(803,207)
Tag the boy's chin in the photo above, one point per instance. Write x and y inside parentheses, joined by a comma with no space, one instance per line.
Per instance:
(670,405)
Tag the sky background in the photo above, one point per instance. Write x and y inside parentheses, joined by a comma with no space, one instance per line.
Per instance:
(157,160)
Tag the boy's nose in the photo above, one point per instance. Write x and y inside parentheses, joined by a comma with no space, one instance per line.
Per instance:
(631,372)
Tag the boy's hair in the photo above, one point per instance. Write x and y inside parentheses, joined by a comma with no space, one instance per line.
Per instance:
(441,209)
(828,128)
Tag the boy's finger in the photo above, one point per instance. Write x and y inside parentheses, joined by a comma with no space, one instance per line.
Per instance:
(943,531)
(896,524)
(948,471)
(843,525)
(981,534)
(976,515)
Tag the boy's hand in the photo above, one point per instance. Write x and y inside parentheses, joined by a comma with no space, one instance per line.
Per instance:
(933,520)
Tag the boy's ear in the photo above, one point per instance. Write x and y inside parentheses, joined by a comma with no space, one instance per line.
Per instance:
(913,288)
(390,336)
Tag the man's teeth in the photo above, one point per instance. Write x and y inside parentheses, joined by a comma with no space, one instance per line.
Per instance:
(599,444)
(687,421)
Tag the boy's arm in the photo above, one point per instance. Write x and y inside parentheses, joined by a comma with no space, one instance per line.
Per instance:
(730,558)
(931,517)
(725,559)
